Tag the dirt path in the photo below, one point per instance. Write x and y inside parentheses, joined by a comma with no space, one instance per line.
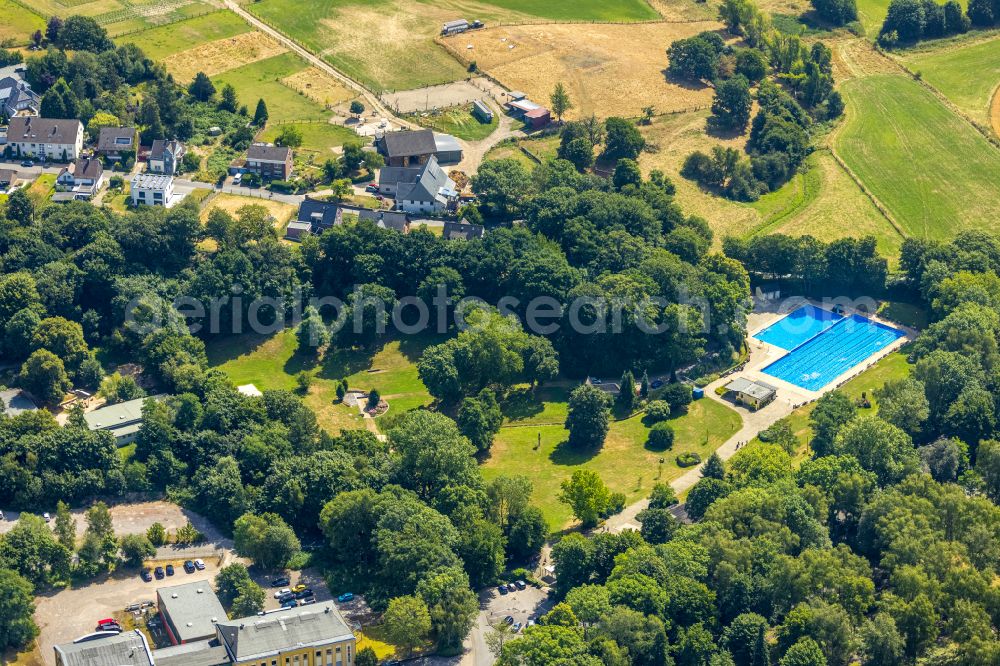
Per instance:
(371,99)
(995,111)
(473,152)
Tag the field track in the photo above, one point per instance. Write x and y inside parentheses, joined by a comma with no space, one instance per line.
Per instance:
(995,111)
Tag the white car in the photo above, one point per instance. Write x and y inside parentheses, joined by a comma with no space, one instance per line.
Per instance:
(282,592)
(46,516)
(199,564)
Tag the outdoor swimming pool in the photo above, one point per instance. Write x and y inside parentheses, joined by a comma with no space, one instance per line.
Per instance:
(798,326)
(817,362)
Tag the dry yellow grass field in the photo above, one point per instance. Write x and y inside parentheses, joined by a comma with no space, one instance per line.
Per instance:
(231,203)
(607,69)
(319,86)
(222,55)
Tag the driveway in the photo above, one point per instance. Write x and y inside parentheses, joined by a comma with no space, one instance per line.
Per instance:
(523,605)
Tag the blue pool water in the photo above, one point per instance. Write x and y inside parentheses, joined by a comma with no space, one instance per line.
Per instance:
(798,326)
(832,353)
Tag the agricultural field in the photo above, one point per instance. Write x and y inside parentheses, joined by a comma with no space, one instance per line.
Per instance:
(18,23)
(121,17)
(223,55)
(159,43)
(459,122)
(933,171)
(966,72)
(610,70)
(401,53)
(263,79)
(623,463)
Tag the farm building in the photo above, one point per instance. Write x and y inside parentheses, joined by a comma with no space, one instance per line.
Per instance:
(482,111)
(408,148)
(424,190)
(447,149)
(537,118)
(454,27)
(519,107)
(752,393)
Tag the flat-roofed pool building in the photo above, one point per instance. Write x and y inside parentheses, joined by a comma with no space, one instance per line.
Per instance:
(314,635)
(128,648)
(752,393)
(190,611)
(123,420)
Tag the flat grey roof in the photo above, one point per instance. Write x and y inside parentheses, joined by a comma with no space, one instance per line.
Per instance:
(199,653)
(128,648)
(151,181)
(115,417)
(15,402)
(753,388)
(257,637)
(193,609)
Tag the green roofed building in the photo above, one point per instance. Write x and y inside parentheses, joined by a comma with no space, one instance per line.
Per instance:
(123,420)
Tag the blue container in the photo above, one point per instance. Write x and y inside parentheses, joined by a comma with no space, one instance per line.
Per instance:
(697,393)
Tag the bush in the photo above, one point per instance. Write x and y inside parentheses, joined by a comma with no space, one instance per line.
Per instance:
(678,395)
(285,186)
(689,459)
(661,437)
(657,410)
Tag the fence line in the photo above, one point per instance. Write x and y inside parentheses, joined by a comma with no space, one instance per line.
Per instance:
(207,10)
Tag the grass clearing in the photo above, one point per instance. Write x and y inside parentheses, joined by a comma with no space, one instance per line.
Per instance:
(159,43)
(262,80)
(401,53)
(319,86)
(623,463)
(965,73)
(610,70)
(458,121)
(222,55)
(231,203)
(318,139)
(934,172)
(18,22)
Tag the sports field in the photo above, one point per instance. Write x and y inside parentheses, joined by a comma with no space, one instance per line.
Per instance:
(930,168)
(623,463)
(158,43)
(967,73)
(401,54)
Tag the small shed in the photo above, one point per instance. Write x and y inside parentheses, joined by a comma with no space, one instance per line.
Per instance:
(481,111)
(752,393)
(537,118)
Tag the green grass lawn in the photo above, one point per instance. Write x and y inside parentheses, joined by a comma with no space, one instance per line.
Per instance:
(18,23)
(401,54)
(544,148)
(893,366)
(262,79)
(158,43)
(272,363)
(623,462)
(459,122)
(967,74)
(318,140)
(935,172)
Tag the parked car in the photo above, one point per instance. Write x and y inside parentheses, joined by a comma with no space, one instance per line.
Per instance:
(282,592)
(511,587)
(371,187)
(170,570)
(158,572)
(299,587)
(509,619)
(106,621)
(516,628)
(502,589)
(46,516)
(189,566)
(27,163)
(291,603)
(306,602)
(345,597)
(280,582)
(144,574)
(199,565)
(285,597)
(302,594)
(520,584)
(656,383)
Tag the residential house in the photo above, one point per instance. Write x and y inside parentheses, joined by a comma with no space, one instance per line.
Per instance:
(317,216)
(463,230)
(48,138)
(117,143)
(123,420)
(153,190)
(165,157)
(386,219)
(8,179)
(431,192)
(313,635)
(190,611)
(106,648)
(408,148)
(80,180)
(269,162)
(751,392)
(16,96)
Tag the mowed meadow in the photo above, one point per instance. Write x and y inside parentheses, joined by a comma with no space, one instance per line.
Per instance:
(389,44)
(935,173)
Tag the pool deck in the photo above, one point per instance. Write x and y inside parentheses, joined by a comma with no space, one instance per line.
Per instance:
(763,354)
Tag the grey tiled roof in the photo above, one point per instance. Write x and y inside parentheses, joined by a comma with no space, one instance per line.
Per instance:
(259,636)
(409,143)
